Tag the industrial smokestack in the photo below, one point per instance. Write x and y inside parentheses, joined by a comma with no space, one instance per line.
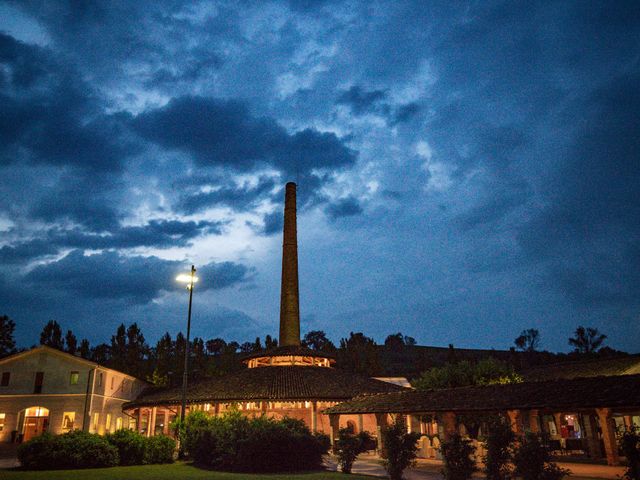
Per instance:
(289,297)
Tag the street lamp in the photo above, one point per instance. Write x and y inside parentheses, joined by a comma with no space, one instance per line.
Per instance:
(190,279)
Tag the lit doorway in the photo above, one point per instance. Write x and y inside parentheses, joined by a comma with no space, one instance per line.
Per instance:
(36,422)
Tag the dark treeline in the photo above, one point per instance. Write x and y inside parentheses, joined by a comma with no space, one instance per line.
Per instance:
(163,363)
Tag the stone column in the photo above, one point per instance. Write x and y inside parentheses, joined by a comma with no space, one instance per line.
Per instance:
(152,422)
(314,416)
(381,422)
(334,423)
(165,422)
(449,425)
(515,419)
(628,421)
(557,418)
(591,436)
(608,427)
(139,420)
(360,423)
(534,421)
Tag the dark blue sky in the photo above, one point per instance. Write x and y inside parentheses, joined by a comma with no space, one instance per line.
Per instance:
(465,172)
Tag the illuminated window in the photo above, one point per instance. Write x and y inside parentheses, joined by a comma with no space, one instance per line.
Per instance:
(73,378)
(113,379)
(5,379)
(107,423)
(119,423)
(100,379)
(68,419)
(96,419)
(2,417)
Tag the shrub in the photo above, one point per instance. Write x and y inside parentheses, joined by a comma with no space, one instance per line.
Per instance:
(131,446)
(457,453)
(184,431)
(400,447)
(76,449)
(349,446)
(159,449)
(630,446)
(498,449)
(532,460)
(234,442)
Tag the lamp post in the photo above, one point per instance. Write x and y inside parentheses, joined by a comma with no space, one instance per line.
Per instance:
(190,279)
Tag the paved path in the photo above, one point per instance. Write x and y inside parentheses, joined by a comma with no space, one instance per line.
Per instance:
(430,469)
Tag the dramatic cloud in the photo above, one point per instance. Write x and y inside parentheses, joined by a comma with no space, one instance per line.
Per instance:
(462,173)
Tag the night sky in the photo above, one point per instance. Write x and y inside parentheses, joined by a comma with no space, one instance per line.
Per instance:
(464,171)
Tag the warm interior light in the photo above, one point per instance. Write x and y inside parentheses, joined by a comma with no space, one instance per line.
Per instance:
(186,278)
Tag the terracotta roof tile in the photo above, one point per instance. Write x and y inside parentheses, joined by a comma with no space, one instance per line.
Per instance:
(271,383)
(591,392)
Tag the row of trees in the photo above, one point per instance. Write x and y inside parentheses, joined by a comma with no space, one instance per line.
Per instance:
(162,363)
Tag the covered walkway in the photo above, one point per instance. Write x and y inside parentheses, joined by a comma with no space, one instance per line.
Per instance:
(593,404)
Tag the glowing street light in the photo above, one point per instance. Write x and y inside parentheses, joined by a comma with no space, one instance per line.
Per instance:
(190,279)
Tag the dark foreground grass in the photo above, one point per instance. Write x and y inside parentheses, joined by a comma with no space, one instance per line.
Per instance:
(175,471)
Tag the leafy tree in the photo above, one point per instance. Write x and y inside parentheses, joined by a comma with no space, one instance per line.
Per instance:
(460,374)
(84,349)
(401,448)
(317,340)
(7,341)
(270,343)
(198,366)
(497,446)
(118,348)
(349,446)
(587,340)
(359,353)
(137,351)
(532,460)
(71,341)
(215,346)
(101,354)
(630,446)
(257,345)
(528,340)
(395,341)
(246,347)
(51,335)
(457,453)
(163,354)
(409,341)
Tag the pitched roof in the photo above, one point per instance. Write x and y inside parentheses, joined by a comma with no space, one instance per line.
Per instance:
(271,383)
(593,392)
(60,353)
(627,365)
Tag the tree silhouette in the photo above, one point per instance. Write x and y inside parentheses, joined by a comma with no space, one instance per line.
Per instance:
(528,340)
(72,342)
(317,340)
(7,342)
(51,335)
(587,340)
(84,349)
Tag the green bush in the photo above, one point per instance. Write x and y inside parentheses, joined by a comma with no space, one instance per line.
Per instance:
(457,453)
(630,446)
(237,443)
(76,449)
(498,444)
(400,448)
(131,446)
(159,449)
(532,460)
(349,446)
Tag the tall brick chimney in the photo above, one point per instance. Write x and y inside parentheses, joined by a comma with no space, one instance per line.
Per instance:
(289,297)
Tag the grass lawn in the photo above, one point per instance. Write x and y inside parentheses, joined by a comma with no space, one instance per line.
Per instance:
(176,471)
